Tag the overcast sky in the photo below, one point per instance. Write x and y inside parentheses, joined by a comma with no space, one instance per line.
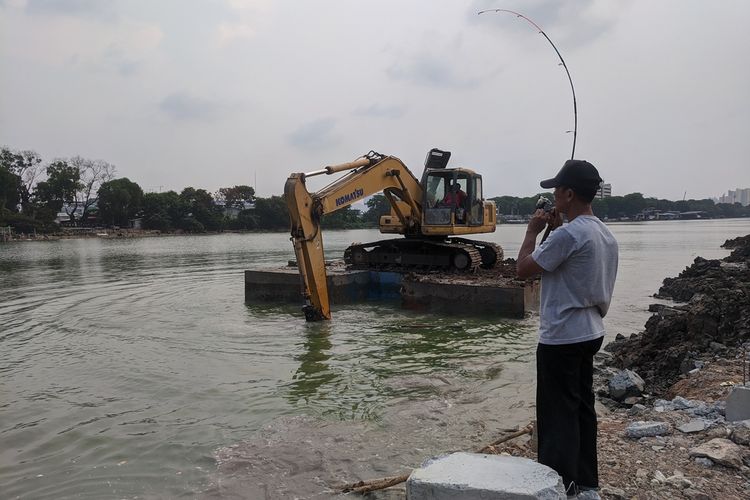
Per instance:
(213,93)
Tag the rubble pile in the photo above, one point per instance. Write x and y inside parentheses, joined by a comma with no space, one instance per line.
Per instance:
(713,317)
(741,249)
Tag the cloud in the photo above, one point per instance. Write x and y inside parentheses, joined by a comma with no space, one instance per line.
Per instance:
(99,9)
(116,59)
(229,32)
(314,135)
(426,69)
(379,111)
(246,19)
(571,23)
(183,107)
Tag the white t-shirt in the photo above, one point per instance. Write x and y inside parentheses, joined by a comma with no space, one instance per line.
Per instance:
(580,266)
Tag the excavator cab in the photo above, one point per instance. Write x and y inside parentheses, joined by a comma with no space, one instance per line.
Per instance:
(453,200)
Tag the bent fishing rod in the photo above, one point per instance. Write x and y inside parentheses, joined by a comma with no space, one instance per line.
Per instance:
(573,90)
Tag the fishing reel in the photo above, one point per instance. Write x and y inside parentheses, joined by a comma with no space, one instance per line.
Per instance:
(544,204)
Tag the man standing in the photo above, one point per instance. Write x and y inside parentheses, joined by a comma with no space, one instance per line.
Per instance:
(578,263)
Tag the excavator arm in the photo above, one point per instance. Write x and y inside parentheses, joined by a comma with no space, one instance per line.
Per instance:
(368,175)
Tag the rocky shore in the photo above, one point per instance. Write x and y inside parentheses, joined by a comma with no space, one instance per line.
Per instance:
(661,394)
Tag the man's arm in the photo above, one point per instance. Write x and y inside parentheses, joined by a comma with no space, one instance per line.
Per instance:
(525,265)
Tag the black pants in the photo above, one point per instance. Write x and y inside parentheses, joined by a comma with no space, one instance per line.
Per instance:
(565,415)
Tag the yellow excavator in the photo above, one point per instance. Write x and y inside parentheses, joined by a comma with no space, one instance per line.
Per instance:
(446,202)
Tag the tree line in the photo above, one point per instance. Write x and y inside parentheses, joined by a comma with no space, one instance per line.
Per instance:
(33,193)
(629,205)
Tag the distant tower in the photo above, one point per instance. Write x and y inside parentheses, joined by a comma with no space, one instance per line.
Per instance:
(605,191)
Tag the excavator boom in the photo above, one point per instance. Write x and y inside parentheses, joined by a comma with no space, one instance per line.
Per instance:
(365,176)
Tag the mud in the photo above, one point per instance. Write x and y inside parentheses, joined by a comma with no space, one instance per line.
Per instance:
(709,315)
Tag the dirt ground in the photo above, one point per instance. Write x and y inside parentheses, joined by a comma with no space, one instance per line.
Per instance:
(628,467)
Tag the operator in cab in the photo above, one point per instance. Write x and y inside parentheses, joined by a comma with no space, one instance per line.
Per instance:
(454,197)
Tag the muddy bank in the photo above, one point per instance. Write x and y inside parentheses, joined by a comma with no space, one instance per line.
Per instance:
(708,316)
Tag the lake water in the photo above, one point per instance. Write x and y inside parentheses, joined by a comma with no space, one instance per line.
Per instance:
(133,368)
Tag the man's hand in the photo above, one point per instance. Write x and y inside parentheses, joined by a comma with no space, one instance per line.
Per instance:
(538,221)
(525,265)
(555,219)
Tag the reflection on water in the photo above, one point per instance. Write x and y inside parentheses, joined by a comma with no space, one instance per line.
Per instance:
(313,371)
(125,364)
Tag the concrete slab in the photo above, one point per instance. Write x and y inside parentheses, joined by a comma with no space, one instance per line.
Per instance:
(738,404)
(474,476)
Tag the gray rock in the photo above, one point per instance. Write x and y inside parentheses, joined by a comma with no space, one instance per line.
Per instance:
(687,366)
(632,400)
(678,480)
(703,461)
(474,476)
(636,409)
(603,356)
(639,429)
(693,494)
(624,384)
(741,433)
(588,495)
(615,493)
(717,347)
(659,478)
(696,425)
(718,432)
(722,451)
(680,403)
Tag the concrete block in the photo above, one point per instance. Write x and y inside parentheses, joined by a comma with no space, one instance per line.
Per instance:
(474,476)
(738,404)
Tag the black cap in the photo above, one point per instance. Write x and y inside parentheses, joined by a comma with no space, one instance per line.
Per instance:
(575,174)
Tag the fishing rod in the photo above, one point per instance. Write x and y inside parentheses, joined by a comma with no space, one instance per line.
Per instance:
(575,106)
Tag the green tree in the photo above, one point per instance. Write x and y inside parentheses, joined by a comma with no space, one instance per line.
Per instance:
(119,200)
(9,189)
(201,209)
(272,213)
(236,196)
(63,182)
(377,206)
(27,166)
(346,218)
(162,211)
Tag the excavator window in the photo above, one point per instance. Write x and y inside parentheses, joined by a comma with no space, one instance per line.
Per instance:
(476,209)
(447,198)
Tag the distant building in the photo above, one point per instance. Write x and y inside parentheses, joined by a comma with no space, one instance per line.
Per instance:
(741,196)
(605,191)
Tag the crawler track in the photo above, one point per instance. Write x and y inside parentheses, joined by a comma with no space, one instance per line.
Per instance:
(423,255)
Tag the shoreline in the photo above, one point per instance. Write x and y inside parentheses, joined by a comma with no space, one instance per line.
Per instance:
(106,233)
(666,435)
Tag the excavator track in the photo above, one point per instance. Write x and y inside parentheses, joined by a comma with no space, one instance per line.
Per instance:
(414,254)
(491,253)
